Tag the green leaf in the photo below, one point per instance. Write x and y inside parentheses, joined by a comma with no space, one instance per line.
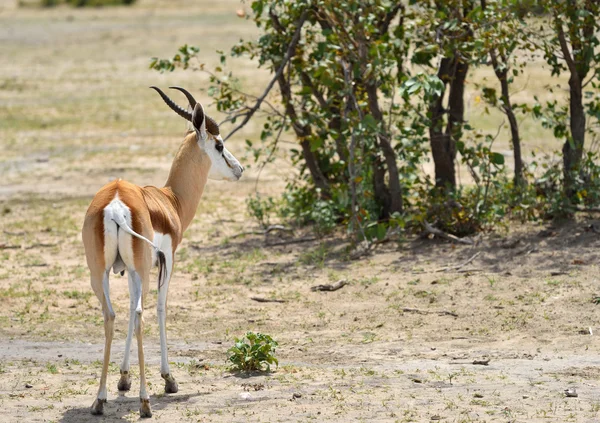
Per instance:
(496,158)
(370,122)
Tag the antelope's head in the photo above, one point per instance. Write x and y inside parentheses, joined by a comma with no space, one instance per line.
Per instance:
(223,164)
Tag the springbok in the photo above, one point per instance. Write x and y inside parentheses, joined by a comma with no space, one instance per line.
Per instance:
(133,228)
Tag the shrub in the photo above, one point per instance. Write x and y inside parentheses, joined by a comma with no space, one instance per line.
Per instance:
(253,352)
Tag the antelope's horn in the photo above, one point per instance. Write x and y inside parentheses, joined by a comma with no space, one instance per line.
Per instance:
(211,124)
(187,94)
(180,111)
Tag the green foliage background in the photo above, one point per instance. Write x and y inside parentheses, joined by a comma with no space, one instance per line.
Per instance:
(374,89)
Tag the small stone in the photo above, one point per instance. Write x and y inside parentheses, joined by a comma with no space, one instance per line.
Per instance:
(296,395)
(246,396)
(571,393)
(28,385)
(525,396)
(436,417)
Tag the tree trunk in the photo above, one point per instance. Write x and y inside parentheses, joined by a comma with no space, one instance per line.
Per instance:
(579,66)
(395,190)
(453,72)
(573,147)
(501,74)
(519,179)
(303,132)
(443,148)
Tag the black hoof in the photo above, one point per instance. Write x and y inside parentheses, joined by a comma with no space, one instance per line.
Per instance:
(98,407)
(145,410)
(170,384)
(125,382)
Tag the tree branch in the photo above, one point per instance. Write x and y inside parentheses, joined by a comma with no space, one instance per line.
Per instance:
(564,46)
(288,55)
(389,17)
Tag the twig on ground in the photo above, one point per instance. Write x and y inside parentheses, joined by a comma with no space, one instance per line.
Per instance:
(40,245)
(438,312)
(478,362)
(246,233)
(267,231)
(278,228)
(15,233)
(469,270)
(588,209)
(435,231)
(9,247)
(291,241)
(328,287)
(267,300)
(459,266)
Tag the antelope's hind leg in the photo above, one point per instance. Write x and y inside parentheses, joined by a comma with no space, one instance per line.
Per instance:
(136,291)
(125,380)
(101,288)
(161,311)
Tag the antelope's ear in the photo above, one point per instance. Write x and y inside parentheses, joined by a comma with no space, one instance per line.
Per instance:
(199,121)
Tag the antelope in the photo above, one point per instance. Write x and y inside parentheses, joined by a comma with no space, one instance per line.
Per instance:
(134,228)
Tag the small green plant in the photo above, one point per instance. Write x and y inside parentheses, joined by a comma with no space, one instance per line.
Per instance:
(253,352)
(262,209)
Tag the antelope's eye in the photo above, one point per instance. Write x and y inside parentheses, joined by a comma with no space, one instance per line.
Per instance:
(219,147)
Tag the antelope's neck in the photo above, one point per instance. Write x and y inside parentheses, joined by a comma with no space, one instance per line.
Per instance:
(187,178)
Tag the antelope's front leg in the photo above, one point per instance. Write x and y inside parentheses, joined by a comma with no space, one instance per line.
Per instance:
(161,311)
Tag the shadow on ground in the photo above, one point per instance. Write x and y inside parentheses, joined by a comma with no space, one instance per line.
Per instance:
(116,410)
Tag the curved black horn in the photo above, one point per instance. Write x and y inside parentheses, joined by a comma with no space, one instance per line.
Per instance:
(180,111)
(211,124)
(187,94)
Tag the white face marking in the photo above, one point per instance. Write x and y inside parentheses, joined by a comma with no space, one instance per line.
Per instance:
(223,164)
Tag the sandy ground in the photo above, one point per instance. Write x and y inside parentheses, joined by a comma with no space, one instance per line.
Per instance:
(397,344)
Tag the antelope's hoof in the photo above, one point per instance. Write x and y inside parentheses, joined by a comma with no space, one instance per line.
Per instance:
(145,410)
(170,384)
(98,407)
(125,381)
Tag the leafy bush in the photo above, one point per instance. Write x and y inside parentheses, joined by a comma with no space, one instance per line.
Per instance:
(253,352)
(262,209)
(374,89)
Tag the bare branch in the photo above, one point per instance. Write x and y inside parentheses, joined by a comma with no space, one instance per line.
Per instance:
(288,55)
(459,266)
(387,20)
(435,231)
(419,311)
(565,47)
(267,300)
(328,287)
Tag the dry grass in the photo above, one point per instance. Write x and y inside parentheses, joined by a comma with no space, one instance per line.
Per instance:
(76,112)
